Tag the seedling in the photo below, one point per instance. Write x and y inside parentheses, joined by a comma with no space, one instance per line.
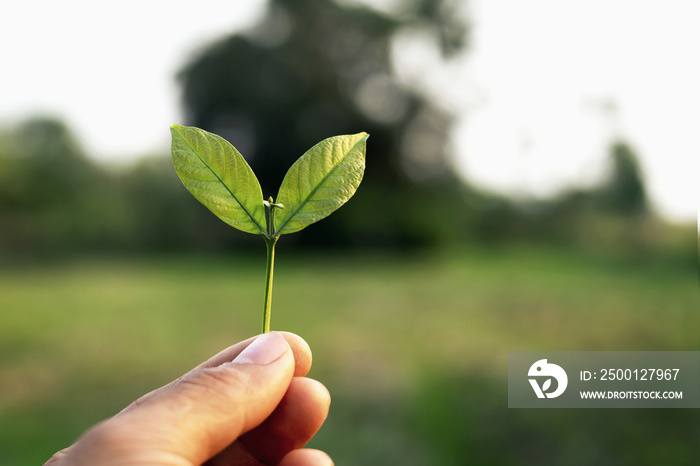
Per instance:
(316,185)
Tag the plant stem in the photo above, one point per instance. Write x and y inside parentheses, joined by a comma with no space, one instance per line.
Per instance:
(270,242)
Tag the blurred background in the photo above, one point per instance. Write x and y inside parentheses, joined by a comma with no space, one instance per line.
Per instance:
(529,186)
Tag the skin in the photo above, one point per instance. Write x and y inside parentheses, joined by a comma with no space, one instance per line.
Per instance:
(223,412)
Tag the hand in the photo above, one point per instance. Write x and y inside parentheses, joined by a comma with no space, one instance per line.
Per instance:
(248,405)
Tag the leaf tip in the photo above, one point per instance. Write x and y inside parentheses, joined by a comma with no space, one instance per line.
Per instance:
(175,128)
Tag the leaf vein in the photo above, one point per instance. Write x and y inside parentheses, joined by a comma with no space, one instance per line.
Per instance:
(224,184)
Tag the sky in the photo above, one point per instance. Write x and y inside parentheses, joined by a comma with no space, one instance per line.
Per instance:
(108,68)
(531,92)
(544,72)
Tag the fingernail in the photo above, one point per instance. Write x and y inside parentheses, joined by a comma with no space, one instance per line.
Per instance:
(267,348)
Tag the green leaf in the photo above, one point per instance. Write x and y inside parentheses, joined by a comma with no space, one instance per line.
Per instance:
(218,176)
(321,181)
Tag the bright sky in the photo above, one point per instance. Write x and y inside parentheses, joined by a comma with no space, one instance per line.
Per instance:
(534,83)
(107,67)
(544,67)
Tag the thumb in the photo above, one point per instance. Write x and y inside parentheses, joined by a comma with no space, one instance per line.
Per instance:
(203,412)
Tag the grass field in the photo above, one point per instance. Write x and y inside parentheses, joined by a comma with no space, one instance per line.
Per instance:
(413,349)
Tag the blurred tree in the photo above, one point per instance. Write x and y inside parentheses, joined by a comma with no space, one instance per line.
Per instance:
(623,193)
(53,198)
(610,216)
(44,175)
(316,68)
(48,164)
(161,215)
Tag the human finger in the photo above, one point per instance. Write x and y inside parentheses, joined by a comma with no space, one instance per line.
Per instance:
(199,415)
(306,457)
(295,420)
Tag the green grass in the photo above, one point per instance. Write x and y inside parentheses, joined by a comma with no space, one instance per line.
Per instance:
(414,350)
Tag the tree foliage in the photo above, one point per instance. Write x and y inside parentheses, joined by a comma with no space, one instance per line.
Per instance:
(315,68)
(623,192)
(309,70)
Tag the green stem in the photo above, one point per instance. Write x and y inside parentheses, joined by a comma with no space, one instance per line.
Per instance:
(270,242)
